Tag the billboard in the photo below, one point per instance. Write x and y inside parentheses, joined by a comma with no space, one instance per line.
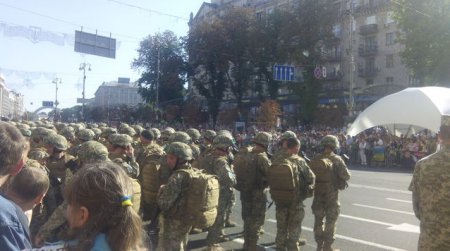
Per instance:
(95,45)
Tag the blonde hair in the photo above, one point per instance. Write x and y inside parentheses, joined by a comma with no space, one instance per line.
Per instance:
(100,188)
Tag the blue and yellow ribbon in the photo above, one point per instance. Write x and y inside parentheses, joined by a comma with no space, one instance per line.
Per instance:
(126,201)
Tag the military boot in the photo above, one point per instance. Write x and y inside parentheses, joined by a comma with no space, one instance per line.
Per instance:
(319,245)
(229,223)
(327,246)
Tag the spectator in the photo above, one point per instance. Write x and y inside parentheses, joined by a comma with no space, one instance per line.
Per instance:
(13,152)
(362,151)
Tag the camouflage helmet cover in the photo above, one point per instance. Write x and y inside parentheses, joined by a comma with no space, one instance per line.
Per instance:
(97,131)
(57,141)
(222,141)
(38,154)
(209,135)
(167,132)
(181,150)
(330,140)
(138,129)
(86,134)
(120,140)
(180,137)
(194,133)
(156,132)
(92,151)
(288,135)
(127,130)
(262,138)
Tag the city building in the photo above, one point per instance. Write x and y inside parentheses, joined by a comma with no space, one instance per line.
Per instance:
(11,102)
(120,92)
(363,64)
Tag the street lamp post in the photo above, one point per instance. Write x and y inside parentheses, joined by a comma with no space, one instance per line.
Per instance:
(83,68)
(56,81)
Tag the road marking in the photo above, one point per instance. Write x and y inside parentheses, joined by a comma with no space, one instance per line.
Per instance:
(239,240)
(383,209)
(405,227)
(380,188)
(366,220)
(368,243)
(405,201)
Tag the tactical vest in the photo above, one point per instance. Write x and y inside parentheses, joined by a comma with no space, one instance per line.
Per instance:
(323,169)
(245,169)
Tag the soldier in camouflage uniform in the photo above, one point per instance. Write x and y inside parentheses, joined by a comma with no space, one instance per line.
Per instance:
(326,206)
(89,152)
(83,135)
(430,188)
(289,219)
(58,164)
(175,230)
(122,153)
(254,201)
(165,135)
(227,180)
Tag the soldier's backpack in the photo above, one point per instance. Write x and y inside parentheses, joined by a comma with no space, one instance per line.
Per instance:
(244,169)
(323,169)
(283,182)
(150,181)
(201,199)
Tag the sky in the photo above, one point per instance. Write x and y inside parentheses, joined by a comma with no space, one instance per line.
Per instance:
(30,63)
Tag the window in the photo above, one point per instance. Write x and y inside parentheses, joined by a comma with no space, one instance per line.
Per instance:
(371,20)
(370,65)
(369,82)
(259,16)
(390,80)
(390,61)
(389,18)
(337,30)
(390,38)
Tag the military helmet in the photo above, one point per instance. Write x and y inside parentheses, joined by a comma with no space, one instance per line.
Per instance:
(127,130)
(288,135)
(181,150)
(222,141)
(156,133)
(120,140)
(138,129)
(107,132)
(180,137)
(194,133)
(25,132)
(57,141)
(86,134)
(68,132)
(97,131)
(165,134)
(262,138)
(92,125)
(225,132)
(330,140)
(38,154)
(23,126)
(92,151)
(209,135)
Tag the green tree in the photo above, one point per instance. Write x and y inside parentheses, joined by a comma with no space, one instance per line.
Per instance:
(207,65)
(166,50)
(425,32)
(312,32)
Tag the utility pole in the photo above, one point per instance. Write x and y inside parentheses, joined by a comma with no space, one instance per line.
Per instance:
(157,84)
(83,68)
(352,60)
(56,81)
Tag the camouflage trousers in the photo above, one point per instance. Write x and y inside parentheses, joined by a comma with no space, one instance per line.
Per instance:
(150,212)
(228,211)
(173,235)
(215,230)
(326,211)
(434,236)
(253,212)
(289,226)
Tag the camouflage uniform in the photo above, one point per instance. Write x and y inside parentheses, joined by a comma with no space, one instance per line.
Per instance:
(326,207)
(430,188)
(129,165)
(175,231)
(254,201)
(89,152)
(227,180)
(289,219)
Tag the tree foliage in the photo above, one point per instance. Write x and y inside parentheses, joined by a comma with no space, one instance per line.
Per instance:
(168,49)
(425,26)
(270,112)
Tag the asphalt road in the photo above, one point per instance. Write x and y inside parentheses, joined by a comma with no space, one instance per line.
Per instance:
(376,214)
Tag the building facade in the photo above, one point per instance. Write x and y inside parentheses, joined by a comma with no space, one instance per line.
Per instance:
(114,93)
(11,102)
(362,65)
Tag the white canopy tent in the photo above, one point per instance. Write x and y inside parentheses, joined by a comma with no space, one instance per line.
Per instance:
(412,109)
